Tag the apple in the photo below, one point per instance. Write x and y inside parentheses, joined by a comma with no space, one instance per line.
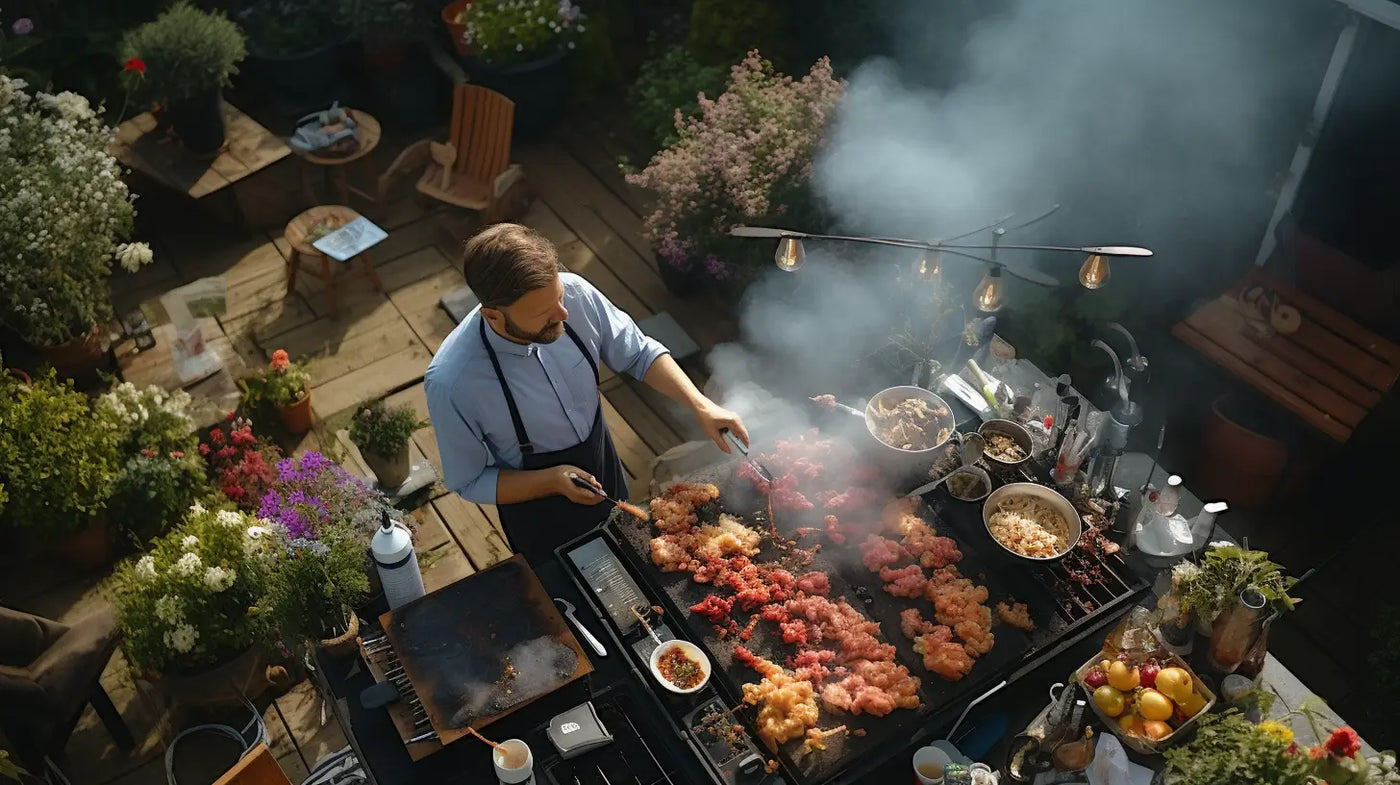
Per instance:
(1148,673)
(1095,678)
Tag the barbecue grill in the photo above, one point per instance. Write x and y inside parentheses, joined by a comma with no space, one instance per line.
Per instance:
(1068,600)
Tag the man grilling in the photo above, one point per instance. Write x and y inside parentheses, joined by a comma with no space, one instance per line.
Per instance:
(513,391)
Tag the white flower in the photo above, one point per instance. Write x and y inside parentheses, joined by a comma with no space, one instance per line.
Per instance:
(169,610)
(256,535)
(190,541)
(182,638)
(197,509)
(146,568)
(519,47)
(131,256)
(230,518)
(218,578)
(188,564)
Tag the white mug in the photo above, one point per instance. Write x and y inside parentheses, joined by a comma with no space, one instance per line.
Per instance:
(520,773)
(930,756)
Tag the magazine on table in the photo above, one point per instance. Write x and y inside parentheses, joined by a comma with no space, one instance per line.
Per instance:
(350,240)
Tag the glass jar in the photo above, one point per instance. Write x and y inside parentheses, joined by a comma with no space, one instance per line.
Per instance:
(1236,629)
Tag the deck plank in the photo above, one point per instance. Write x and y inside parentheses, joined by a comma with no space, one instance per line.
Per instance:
(654,430)
(578,257)
(594,195)
(377,378)
(480,537)
(636,455)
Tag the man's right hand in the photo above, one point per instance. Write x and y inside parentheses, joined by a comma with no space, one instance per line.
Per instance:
(565,487)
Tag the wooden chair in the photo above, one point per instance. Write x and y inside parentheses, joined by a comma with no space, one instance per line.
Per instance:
(473,169)
(257,767)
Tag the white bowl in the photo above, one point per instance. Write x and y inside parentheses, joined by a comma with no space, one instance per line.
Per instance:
(693,652)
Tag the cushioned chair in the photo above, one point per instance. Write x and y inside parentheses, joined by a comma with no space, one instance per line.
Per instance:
(50,672)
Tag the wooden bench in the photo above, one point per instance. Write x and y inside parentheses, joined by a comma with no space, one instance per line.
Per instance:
(1330,371)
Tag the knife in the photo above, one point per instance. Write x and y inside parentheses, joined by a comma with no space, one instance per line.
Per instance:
(733,440)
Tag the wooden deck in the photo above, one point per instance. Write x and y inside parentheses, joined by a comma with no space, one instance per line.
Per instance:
(381,345)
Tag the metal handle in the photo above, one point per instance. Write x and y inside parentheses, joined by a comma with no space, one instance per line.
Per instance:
(963,716)
(588,636)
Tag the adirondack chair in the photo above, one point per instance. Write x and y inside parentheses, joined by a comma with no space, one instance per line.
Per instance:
(473,169)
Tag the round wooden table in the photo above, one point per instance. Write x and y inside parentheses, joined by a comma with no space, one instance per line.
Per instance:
(298,236)
(367,135)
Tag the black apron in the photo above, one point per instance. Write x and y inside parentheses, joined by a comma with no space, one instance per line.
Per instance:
(535,528)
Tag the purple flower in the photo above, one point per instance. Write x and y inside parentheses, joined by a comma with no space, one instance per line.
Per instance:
(23,26)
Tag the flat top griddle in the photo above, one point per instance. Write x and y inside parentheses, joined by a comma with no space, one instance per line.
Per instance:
(483,647)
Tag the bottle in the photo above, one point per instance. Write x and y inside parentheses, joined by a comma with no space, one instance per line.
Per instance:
(1236,629)
(396,563)
(1175,628)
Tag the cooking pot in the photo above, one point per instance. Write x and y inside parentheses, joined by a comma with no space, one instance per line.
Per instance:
(899,462)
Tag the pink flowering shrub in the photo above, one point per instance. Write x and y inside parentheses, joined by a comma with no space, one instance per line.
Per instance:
(746,159)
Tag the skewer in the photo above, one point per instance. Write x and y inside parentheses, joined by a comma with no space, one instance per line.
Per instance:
(646,626)
(493,744)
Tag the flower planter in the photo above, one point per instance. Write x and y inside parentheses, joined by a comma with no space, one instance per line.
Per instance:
(79,358)
(199,122)
(456,30)
(88,547)
(1238,462)
(224,684)
(391,471)
(297,417)
(538,89)
(346,644)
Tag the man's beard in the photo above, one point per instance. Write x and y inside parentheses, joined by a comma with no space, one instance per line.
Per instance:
(549,334)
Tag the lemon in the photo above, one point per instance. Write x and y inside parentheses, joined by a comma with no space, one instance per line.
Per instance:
(1153,705)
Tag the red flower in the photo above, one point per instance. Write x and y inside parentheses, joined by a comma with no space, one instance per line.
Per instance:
(216,436)
(1343,743)
(1292,748)
(148,452)
(243,437)
(204,449)
(229,417)
(280,360)
(1317,753)
(176,454)
(135,64)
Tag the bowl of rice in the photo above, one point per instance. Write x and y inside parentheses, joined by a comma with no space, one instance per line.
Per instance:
(1032,521)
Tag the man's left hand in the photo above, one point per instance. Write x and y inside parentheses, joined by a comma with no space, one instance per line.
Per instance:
(716,420)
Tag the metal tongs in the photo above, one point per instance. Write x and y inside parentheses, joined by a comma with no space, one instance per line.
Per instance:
(743,450)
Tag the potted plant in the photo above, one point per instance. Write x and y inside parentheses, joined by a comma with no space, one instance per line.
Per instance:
(384,29)
(240,465)
(152,493)
(150,418)
(1225,571)
(189,56)
(292,50)
(518,49)
(287,386)
(56,468)
(64,226)
(320,580)
(192,611)
(722,171)
(382,433)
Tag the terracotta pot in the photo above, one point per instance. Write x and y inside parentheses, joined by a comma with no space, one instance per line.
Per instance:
(79,357)
(456,30)
(392,471)
(1238,463)
(89,547)
(224,684)
(346,644)
(297,417)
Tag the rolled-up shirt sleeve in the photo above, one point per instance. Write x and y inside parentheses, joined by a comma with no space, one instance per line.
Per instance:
(466,462)
(622,344)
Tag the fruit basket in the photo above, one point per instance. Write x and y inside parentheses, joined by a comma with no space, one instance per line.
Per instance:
(1199,701)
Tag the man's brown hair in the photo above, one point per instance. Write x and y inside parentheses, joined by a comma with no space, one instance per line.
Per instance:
(504,262)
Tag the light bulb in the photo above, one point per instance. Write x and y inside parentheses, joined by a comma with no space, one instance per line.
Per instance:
(790,255)
(988,295)
(1093,274)
(930,266)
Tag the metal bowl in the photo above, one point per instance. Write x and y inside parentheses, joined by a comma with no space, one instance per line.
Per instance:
(1046,495)
(898,459)
(976,471)
(1018,434)
(693,652)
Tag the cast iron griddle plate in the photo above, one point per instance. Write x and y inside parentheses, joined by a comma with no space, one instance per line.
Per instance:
(456,642)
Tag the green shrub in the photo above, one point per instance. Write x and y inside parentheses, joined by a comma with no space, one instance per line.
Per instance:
(383,430)
(384,17)
(187,51)
(317,583)
(153,492)
(669,83)
(289,27)
(147,419)
(723,31)
(57,467)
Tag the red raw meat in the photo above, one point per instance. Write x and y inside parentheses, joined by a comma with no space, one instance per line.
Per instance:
(714,607)
(814,583)
(877,552)
(856,498)
(833,530)
(905,582)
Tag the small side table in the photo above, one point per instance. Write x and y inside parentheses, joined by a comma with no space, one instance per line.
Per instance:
(367,135)
(326,271)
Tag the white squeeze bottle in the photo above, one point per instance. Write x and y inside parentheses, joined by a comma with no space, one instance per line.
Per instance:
(397,564)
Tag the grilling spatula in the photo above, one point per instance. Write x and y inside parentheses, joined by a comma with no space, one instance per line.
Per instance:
(743,450)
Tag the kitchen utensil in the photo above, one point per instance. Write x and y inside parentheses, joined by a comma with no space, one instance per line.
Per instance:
(578,625)
(514,762)
(691,651)
(929,763)
(971,447)
(656,638)
(973,470)
(609,583)
(743,450)
(1045,495)
(588,486)
(478,649)
(910,463)
(1016,432)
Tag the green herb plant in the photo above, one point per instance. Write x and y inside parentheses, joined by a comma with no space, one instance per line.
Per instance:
(381,18)
(317,583)
(669,85)
(285,28)
(56,465)
(187,51)
(383,430)
(1230,750)
(1227,570)
(153,492)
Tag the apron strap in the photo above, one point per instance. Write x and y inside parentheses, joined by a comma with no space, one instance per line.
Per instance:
(520,436)
(579,343)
